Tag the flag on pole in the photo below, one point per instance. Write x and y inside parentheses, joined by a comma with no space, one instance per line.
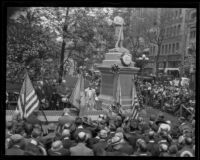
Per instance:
(78,95)
(28,100)
(134,112)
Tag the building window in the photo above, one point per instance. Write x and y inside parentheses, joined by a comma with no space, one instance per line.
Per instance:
(169,48)
(177,47)
(192,34)
(180,12)
(179,29)
(153,49)
(193,15)
(169,35)
(167,32)
(173,48)
(166,49)
(175,31)
(162,50)
(176,14)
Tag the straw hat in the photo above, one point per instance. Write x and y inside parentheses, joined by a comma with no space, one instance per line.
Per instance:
(57,145)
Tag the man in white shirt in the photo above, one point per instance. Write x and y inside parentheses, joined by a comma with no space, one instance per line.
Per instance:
(90,95)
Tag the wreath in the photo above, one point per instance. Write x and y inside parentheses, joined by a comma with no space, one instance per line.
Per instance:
(126,59)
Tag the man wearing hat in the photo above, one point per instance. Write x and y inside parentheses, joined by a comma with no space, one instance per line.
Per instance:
(58,150)
(187,149)
(102,143)
(17,147)
(173,149)
(163,150)
(119,144)
(152,145)
(142,148)
(48,139)
(184,126)
(152,123)
(66,139)
(33,143)
(81,149)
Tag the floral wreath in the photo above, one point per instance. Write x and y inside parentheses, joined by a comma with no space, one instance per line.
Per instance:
(123,61)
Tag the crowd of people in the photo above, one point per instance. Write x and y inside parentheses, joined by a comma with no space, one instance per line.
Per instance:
(107,136)
(116,135)
(167,97)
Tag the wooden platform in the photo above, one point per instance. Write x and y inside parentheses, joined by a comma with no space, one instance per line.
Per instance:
(52,116)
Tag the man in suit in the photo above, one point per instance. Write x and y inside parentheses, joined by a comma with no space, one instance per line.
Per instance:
(48,139)
(102,143)
(66,140)
(17,147)
(80,149)
(119,144)
(152,145)
(33,143)
(58,150)
(187,149)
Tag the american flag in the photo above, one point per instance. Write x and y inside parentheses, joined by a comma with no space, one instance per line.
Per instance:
(135,101)
(134,112)
(28,100)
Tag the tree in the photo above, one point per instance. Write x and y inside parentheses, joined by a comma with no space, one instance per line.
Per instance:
(33,38)
(28,43)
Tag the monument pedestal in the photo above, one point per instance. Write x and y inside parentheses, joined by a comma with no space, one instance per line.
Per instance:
(109,83)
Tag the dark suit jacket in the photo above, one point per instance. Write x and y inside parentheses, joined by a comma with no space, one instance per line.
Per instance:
(14,151)
(125,148)
(101,144)
(68,143)
(32,148)
(153,148)
(91,142)
(81,150)
(47,140)
(60,152)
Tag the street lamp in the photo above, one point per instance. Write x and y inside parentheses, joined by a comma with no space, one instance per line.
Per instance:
(143,59)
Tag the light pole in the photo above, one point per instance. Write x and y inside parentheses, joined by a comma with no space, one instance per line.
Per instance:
(143,59)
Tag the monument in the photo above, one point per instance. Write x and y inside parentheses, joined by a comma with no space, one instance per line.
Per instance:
(118,70)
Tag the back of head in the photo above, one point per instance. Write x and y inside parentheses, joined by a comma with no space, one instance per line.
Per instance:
(66,133)
(151,134)
(188,141)
(28,128)
(78,121)
(163,147)
(112,127)
(81,137)
(143,147)
(173,149)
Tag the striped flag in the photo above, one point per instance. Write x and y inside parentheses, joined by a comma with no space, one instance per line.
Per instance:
(134,112)
(28,100)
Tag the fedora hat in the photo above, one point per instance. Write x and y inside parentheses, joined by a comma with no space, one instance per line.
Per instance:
(57,145)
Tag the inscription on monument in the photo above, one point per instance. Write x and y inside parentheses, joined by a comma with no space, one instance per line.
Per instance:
(107,84)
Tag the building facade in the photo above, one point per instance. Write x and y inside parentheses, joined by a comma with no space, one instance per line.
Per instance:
(179,36)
